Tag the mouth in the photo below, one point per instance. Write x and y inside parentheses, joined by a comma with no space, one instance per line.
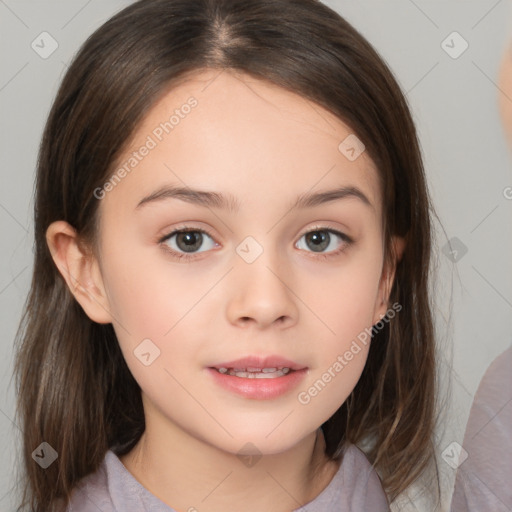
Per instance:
(259,378)
(258,367)
(255,373)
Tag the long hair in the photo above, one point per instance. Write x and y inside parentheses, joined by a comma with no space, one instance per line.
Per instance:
(75,391)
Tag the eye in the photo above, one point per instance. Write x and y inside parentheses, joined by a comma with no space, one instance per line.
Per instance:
(324,240)
(185,241)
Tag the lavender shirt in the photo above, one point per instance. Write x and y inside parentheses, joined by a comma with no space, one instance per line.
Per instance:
(484,478)
(112,488)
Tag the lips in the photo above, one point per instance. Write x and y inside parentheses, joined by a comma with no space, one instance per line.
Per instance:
(258,378)
(256,373)
(256,364)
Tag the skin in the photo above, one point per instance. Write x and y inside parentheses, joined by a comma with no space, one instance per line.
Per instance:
(265,146)
(505,96)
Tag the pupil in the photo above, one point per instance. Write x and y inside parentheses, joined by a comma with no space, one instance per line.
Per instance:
(192,241)
(320,239)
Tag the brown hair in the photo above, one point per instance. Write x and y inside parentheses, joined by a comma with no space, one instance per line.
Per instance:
(74,388)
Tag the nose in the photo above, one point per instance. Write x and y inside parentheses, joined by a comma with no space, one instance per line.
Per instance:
(261,293)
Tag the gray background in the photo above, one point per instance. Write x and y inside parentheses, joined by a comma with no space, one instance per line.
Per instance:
(454,102)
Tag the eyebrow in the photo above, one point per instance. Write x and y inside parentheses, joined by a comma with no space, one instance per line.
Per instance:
(228,202)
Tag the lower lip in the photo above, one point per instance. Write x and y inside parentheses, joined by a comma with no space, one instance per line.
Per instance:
(259,389)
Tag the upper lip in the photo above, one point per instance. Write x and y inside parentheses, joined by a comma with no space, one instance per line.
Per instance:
(261,362)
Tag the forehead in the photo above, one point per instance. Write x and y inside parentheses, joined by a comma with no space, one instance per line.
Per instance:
(227,131)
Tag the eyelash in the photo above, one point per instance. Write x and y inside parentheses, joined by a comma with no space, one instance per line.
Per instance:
(186,229)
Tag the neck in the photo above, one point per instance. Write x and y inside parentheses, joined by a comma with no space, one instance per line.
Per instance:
(188,474)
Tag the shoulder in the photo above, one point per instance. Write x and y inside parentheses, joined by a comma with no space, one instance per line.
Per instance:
(362,482)
(483,475)
(92,493)
(355,487)
(112,488)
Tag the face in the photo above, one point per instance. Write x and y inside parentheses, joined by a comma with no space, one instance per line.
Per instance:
(255,275)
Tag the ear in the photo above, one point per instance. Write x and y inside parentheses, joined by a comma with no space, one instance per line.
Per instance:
(387,278)
(80,269)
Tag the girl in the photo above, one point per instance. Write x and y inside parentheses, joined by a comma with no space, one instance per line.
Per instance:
(230,290)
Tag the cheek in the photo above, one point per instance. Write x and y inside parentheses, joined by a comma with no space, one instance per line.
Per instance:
(345,298)
(341,352)
(344,348)
(147,294)
(135,303)
(345,302)
(151,299)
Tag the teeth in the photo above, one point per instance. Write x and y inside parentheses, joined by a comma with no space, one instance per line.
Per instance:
(255,373)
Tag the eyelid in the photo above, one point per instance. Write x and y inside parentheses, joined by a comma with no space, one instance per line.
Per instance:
(184,228)
(327,227)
